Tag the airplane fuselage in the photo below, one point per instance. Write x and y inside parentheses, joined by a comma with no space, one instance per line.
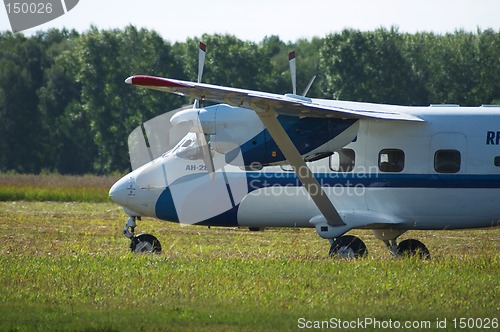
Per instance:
(441,173)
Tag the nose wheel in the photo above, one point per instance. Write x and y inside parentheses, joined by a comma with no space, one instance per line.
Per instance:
(145,243)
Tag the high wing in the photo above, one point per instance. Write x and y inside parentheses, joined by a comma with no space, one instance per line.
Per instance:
(267,106)
(262,101)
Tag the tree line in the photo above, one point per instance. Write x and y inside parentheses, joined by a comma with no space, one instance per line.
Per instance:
(64,106)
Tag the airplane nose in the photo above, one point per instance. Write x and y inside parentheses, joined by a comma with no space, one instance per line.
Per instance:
(123,190)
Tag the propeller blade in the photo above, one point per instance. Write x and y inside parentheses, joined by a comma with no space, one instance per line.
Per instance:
(191,119)
(306,90)
(201,64)
(201,60)
(202,140)
(207,155)
(156,136)
(293,70)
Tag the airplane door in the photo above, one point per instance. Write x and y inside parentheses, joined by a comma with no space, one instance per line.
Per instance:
(448,153)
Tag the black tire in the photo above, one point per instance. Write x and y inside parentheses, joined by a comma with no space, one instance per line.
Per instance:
(348,247)
(145,243)
(413,248)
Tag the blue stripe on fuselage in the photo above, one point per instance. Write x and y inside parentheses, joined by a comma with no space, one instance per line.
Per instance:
(165,207)
(380,180)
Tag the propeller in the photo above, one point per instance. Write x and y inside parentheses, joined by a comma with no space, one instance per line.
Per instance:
(201,63)
(191,117)
(293,73)
(200,136)
(306,90)
(151,139)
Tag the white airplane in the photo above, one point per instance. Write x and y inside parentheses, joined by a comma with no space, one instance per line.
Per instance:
(266,160)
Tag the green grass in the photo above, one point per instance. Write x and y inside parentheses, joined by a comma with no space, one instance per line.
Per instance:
(66,266)
(54,187)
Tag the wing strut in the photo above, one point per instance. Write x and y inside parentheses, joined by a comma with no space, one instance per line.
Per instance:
(301,169)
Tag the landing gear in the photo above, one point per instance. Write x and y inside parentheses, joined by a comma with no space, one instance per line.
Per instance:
(129,228)
(348,247)
(407,248)
(146,243)
(413,248)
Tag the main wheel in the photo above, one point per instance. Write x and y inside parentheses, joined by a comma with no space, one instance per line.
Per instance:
(146,243)
(413,248)
(348,247)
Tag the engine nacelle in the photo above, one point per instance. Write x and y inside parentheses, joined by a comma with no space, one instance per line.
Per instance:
(235,129)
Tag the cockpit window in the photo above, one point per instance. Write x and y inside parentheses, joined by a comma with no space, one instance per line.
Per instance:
(186,143)
(189,149)
(181,145)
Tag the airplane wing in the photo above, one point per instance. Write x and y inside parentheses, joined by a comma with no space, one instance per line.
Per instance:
(267,105)
(262,101)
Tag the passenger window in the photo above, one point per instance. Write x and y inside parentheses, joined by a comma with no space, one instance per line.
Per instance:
(391,160)
(286,168)
(497,161)
(447,161)
(343,161)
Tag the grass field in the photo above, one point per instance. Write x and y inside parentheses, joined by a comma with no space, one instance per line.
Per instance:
(54,187)
(66,266)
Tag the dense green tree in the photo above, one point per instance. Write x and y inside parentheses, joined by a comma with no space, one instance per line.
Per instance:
(370,67)
(64,105)
(21,146)
(388,67)
(275,51)
(463,67)
(236,63)
(105,59)
(71,149)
